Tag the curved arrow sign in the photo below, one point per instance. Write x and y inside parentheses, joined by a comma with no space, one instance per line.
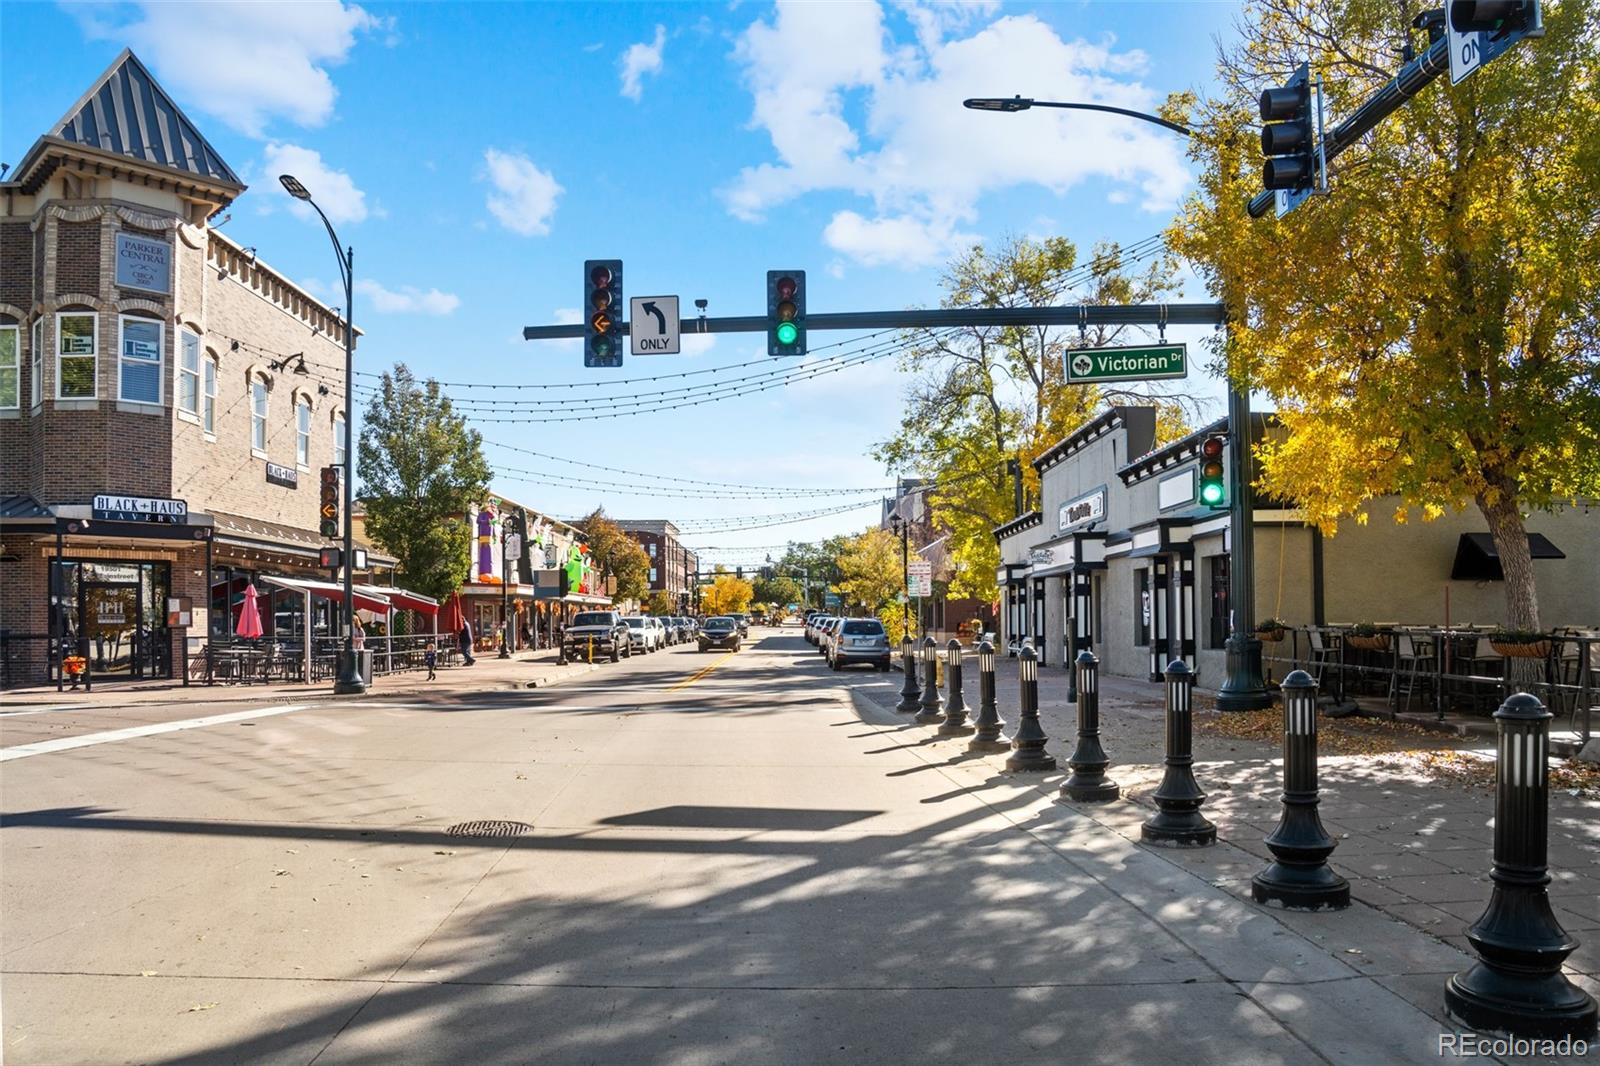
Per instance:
(653,325)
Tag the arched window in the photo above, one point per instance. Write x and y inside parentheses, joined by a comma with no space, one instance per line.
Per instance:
(302,431)
(258,415)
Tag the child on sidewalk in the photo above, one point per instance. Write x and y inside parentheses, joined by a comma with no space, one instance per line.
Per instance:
(431,658)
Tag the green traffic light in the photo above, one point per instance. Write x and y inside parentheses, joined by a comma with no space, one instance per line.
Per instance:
(787,333)
(1210,492)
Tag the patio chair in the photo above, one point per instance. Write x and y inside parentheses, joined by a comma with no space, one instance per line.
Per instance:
(1324,651)
(1483,659)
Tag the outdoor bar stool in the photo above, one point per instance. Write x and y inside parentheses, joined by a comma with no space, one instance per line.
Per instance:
(1483,654)
(1324,651)
(1409,656)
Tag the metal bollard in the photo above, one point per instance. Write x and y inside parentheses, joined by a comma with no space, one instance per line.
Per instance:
(990,734)
(932,703)
(1088,783)
(1300,876)
(955,707)
(1027,745)
(1517,985)
(1178,820)
(908,691)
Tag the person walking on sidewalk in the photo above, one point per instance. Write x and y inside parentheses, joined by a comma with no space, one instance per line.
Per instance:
(431,659)
(464,638)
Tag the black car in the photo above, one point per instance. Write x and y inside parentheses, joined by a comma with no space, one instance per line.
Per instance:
(603,631)
(719,632)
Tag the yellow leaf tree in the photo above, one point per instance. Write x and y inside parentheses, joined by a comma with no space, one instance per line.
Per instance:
(871,577)
(1429,330)
(727,595)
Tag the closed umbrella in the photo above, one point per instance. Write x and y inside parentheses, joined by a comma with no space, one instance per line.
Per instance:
(249,625)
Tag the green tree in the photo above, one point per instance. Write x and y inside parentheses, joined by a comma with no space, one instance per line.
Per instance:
(616,555)
(987,396)
(661,602)
(781,590)
(421,470)
(816,563)
(1429,330)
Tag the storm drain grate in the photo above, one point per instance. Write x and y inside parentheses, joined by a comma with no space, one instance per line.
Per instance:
(488,829)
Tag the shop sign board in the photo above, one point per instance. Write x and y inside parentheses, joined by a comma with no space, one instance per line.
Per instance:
(143,264)
(1086,508)
(1138,363)
(283,475)
(112,508)
(513,547)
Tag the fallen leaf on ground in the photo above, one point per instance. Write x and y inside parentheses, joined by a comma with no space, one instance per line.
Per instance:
(200,1006)
(147,973)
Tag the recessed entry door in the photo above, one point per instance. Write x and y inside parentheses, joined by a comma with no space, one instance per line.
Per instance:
(111,625)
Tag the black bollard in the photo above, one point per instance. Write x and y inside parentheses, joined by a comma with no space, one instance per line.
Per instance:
(1027,746)
(1178,820)
(990,734)
(1517,985)
(932,703)
(1300,877)
(908,691)
(955,707)
(1088,783)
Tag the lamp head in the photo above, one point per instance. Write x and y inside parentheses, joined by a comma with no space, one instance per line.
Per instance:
(292,186)
(997,103)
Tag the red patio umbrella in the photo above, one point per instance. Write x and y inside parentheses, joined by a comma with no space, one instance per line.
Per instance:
(450,617)
(249,625)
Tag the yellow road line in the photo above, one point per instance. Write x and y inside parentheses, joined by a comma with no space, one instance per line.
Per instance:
(702,672)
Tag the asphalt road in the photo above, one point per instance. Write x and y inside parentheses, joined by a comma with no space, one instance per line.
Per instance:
(717,858)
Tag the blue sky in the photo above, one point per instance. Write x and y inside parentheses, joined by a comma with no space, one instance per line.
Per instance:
(476,153)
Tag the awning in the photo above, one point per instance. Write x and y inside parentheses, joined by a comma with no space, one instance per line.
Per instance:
(365,600)
(414,601)
(1478,560)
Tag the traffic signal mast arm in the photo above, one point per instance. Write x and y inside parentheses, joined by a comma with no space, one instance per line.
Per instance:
(1411,79)
(1179,314)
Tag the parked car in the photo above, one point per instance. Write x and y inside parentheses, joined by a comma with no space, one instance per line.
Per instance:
(743,621)
(646,637)
(669,632)
(687,631)
(860,640)
(607,630)
(814,626)
(829,629)
(719,631)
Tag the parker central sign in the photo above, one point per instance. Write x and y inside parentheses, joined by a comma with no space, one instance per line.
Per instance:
(108,508)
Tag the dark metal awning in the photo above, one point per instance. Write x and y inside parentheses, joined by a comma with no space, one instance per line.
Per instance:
(1478,560)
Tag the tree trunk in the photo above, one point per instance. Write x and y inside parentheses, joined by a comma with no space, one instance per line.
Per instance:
(1516,561)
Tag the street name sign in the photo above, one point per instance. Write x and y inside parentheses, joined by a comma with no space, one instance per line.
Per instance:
(1139,363)
(653,325)
(1471,49)
(919,577)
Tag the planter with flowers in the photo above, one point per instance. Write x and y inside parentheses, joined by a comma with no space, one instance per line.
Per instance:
(1271,629)
(1365,636)
(1520,643)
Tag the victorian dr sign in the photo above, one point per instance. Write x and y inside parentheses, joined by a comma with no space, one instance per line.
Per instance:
(1128,364)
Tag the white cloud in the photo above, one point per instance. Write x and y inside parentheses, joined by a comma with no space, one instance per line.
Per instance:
(246,63)
(524,197)
(641,59)
(915,155)
(333,190)
(407,299)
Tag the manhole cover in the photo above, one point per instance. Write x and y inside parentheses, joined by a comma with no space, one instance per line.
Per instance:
(488,829)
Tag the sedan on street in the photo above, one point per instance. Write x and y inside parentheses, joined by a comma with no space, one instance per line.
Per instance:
(719,632)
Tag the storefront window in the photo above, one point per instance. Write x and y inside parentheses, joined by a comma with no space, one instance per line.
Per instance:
(115,615)
(141,360)
(1141,607)
(10,367)
(1217,582)
(77,349)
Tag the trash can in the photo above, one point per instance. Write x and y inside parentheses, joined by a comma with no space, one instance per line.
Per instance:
(364,665)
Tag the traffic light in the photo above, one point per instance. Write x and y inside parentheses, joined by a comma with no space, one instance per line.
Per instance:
(738,572)
(330,558)
(1288,135)
(602,312)
(1214,472)
(330,501)
(1493,16)
(786,312)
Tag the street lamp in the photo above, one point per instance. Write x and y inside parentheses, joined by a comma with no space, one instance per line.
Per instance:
(902,529)
(1243,689)
(348,680)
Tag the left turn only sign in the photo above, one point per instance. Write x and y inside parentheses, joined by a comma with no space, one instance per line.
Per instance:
(653,325)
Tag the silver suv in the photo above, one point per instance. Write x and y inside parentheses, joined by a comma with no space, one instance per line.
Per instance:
(858,640)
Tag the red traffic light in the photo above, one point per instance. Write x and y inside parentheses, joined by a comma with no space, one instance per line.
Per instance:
(601,276)
(786,288)
(1212,447)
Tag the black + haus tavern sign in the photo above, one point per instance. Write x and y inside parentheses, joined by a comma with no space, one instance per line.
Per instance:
(109,508)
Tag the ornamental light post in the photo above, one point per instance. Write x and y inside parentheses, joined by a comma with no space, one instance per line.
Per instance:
(1243,689)
(903,529)
(348,679)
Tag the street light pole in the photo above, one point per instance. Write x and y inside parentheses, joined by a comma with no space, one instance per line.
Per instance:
(902,527)
(505,588)
(1243,689)
(348,682)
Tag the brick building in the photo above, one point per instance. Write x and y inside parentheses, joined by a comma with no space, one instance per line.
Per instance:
(672,566)
(166,398)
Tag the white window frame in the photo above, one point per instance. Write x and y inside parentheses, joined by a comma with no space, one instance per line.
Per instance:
(15,368)
(259,418)
(188,345)
(123,360)
(36,386)
(302,432)
(93,356)
(338,441)
(208,394)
